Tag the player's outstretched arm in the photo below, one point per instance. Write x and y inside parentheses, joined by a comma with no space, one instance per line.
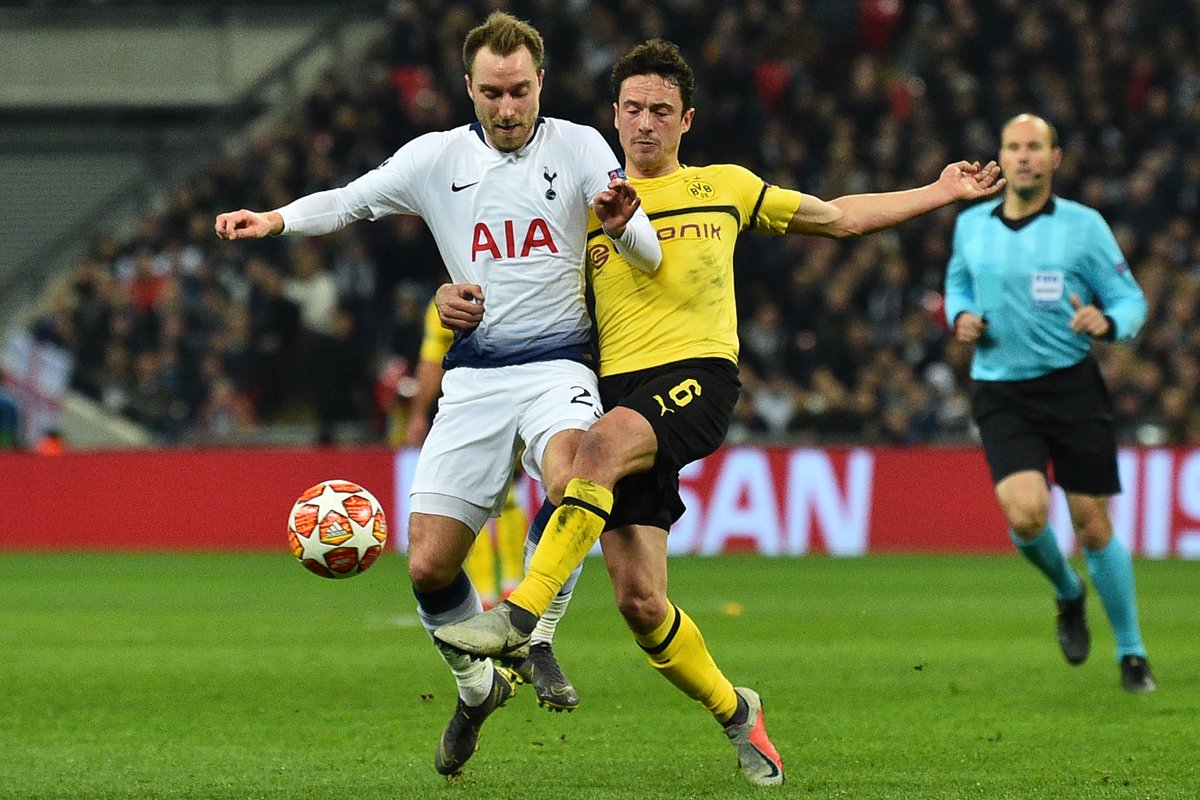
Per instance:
(859,214)
(243,224)
(459,305)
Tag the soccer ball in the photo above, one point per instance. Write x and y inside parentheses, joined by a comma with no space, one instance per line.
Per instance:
(337,529)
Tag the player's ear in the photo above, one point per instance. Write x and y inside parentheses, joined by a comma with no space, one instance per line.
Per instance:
(686,122)
(1056,158)
(470,88)
(616,116)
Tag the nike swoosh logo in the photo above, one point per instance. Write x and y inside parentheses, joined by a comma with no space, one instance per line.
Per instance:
(454,187)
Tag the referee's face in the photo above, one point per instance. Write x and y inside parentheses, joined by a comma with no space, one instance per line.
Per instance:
(1027,156)
(506,91)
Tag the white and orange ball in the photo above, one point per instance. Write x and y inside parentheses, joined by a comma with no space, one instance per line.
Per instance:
(337,529)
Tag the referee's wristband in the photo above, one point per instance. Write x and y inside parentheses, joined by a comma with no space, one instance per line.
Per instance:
(1111,334)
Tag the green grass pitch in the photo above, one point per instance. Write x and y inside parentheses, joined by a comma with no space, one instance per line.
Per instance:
(243,676)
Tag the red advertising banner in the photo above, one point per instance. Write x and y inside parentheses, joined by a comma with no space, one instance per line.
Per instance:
(851,501)
(171,499)
(772,501)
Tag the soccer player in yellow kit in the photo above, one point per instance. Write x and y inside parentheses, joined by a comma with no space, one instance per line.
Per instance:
(540,668)
(669,381)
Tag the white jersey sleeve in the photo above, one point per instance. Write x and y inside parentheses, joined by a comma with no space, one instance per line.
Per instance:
(387,189)
(317,214)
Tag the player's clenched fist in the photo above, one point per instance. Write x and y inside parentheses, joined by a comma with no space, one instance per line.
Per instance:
(245,224)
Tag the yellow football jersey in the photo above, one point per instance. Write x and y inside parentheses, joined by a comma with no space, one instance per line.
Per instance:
(436,340)
(686,309)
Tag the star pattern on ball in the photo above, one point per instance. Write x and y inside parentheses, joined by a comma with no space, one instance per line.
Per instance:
(330,499)
(363,538)
(313,547)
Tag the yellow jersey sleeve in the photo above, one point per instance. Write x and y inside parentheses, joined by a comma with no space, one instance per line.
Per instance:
(686,309)
(436,340)
(777,209)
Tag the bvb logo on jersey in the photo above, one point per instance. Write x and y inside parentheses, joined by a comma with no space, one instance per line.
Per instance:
(701,190)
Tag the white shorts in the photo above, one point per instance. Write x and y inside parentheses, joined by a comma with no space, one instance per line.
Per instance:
(484,415)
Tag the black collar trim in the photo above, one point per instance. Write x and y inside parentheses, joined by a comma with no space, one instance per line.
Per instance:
(1017,224)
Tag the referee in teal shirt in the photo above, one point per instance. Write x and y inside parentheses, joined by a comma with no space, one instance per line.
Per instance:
(1032,280)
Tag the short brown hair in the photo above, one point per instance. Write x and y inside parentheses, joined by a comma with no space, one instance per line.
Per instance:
(656,57)
(504,35)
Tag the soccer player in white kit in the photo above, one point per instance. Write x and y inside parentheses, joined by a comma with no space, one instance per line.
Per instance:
(507,199)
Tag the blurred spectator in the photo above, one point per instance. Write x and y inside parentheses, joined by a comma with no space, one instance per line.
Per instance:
(340,372)
(10,419)
(405,325)
(150,400)
(355,278)
(225,415)
(763,339)
(51,443)
(775,402)
(836,413)
(274,339)
(113,379)
(56,324)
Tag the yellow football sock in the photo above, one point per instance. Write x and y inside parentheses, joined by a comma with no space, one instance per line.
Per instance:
(676,649)
(480,567)
(510,542)
(573,529)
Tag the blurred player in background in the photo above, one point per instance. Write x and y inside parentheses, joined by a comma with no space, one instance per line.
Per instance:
(502,540)
(507,199)
(496,563)
(669,379)
(1032,282)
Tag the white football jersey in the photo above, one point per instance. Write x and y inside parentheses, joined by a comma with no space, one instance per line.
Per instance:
(514,223)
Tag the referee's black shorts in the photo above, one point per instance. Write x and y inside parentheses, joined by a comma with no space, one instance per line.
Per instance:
(1063,418)
(689,404)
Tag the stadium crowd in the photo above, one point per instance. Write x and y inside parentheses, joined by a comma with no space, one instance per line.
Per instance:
(841,341)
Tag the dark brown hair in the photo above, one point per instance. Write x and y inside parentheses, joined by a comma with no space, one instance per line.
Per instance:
(656,57)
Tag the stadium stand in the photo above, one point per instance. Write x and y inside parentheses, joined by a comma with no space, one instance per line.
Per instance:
(203,342)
